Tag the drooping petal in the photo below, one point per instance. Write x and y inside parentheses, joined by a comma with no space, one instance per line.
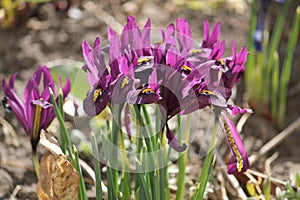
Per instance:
(173,142)
(239,162)
(14,102)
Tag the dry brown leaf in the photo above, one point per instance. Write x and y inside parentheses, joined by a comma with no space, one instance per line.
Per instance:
(58,179)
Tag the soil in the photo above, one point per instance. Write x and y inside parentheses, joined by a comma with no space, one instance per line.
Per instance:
(46,33)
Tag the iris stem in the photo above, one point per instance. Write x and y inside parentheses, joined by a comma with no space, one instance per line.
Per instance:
(112,170)
(63,143)
(95,151)
(35,136)
(182,159)
(36,164)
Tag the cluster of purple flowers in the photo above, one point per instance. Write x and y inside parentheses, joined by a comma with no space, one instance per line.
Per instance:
(174,73)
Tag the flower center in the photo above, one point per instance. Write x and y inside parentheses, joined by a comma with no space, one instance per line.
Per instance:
(97,93)
(186,69)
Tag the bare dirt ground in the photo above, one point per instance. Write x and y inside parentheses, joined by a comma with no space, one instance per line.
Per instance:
(47,34)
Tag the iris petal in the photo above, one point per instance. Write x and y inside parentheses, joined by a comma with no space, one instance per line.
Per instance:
(239,161)
(173,142)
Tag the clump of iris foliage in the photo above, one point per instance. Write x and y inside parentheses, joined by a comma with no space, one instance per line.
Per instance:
(263,66)
(173,74)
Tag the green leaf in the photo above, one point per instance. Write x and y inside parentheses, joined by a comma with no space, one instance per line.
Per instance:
(125,188)
(297,180)
(287,66)
(208,164)
(97,167)
(267,189)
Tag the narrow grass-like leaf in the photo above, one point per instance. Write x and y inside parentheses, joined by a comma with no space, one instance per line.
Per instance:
(114,154)
(297,180)
(62,124)
(82,189)
(71,149)
(125,188)
(208,164)
(275,86)
(275,38)
(287,66)
(267,189)
(290,189)
(63,143)
(182,161)
(97,168)
(250,65)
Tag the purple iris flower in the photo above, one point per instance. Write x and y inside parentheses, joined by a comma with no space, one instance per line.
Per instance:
(172,73)
(99,95)
(36,113)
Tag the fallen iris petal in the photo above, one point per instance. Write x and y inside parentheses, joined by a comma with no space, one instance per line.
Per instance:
(239,162)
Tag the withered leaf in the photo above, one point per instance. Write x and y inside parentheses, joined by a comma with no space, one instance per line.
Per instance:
(58,179)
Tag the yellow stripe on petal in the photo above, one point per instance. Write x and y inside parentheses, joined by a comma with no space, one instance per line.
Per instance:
(148,91)
(207,93)
(125,82)
(97,94)
(195,51)
(37,120)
